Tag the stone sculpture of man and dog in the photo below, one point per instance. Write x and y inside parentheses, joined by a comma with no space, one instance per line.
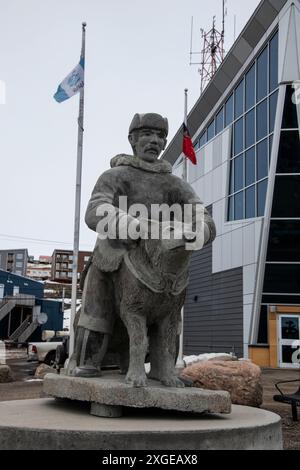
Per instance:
(135,285)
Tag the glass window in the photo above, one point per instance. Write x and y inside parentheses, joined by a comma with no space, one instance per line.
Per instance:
(272,110)
(250,128)
(290,120)
(250,166)
(196,145)
(250,202)
(231,208)
(289,153)
(239,136)
(284,241)
(239,206)
(231,178)
(238,173)
(19,264)
(282,278)
(261,197)
(286,197)
(274,63)
(220,121)
(239,100)
(20,256)
(263,326)
(203,139)
(250,88)
(211,131)
(270,147)
(262,165)
(290,328)
(262,75)
(229,111)
(262,120)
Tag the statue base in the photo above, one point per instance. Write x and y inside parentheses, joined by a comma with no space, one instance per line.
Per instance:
(44,424)
(108,394)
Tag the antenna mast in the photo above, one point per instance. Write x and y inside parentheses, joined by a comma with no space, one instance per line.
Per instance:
(213,52)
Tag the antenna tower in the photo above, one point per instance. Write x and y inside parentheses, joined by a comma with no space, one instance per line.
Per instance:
(213,52)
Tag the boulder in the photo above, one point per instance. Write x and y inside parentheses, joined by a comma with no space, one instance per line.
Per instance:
(42,370)
(5,375)
(240,378)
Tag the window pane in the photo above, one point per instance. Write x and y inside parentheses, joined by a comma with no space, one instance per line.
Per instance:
(239,100)
(263,326)
(262,120)
(274,62)
(282,278)
(289,120)
(287,354)
(284,241)
(261,197)
(262,75)
(239,173)
(250,203)
(262,153)
(220,121)
(250,129)
(289,153)
(231,208)
(229,111)
(270,147)
(238,136)
(231,179)
(239,206)
(272,110)
(203,139)
(250,88)
(211,131)
(286,197)
(250,166)
(290,328)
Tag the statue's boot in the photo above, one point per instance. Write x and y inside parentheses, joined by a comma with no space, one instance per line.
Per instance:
(89,350)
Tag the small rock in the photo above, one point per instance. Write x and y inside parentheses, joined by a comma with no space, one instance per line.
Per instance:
(42,370)
(241,379)
(5,375)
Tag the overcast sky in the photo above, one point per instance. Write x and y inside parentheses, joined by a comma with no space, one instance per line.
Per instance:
(137,60)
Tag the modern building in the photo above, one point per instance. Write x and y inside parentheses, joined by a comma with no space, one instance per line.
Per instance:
(40,269)
(244,291)
(24,312)
(62,262)
(14,261)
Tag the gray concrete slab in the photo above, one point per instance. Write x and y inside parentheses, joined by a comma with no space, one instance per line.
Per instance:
(112,390)
(53,424)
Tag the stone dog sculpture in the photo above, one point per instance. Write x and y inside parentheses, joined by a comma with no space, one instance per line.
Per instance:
(135,285)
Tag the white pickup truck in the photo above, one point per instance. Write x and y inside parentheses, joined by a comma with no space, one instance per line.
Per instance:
(44,351)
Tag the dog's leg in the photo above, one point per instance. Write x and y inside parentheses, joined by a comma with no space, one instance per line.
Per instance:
(138,343)
(167,336)
(155,352)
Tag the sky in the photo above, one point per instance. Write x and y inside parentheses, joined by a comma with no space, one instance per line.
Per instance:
(137,60)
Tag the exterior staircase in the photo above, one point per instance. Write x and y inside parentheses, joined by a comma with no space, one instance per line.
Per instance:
(19,331)
(6,306)
(28,332)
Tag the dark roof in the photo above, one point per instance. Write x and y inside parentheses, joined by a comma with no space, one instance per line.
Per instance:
(253,32)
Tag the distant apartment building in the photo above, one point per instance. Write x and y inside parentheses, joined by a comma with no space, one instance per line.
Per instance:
(14,261)
(62,263)
(39,270)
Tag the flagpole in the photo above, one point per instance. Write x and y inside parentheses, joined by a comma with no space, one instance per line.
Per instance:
(77,202)
(180,362)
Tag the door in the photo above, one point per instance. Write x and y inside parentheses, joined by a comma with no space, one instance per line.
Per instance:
(289,341)
(1,291)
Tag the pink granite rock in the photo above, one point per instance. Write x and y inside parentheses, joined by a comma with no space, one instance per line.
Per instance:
(241,379)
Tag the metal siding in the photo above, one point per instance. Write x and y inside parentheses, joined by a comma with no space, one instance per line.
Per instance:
(213,323)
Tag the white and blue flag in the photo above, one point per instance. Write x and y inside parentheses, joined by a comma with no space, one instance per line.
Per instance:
(71,84)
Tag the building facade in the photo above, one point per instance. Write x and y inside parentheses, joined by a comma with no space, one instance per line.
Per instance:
(24,312)
(244,291)
(62,263)
(14,261)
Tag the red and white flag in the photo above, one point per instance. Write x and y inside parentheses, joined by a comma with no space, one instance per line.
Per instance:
(187,146)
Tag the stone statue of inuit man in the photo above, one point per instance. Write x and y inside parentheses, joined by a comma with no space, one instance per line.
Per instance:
(135,285)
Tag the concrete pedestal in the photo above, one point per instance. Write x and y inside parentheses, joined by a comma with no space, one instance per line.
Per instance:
(55,424)
(110,391)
